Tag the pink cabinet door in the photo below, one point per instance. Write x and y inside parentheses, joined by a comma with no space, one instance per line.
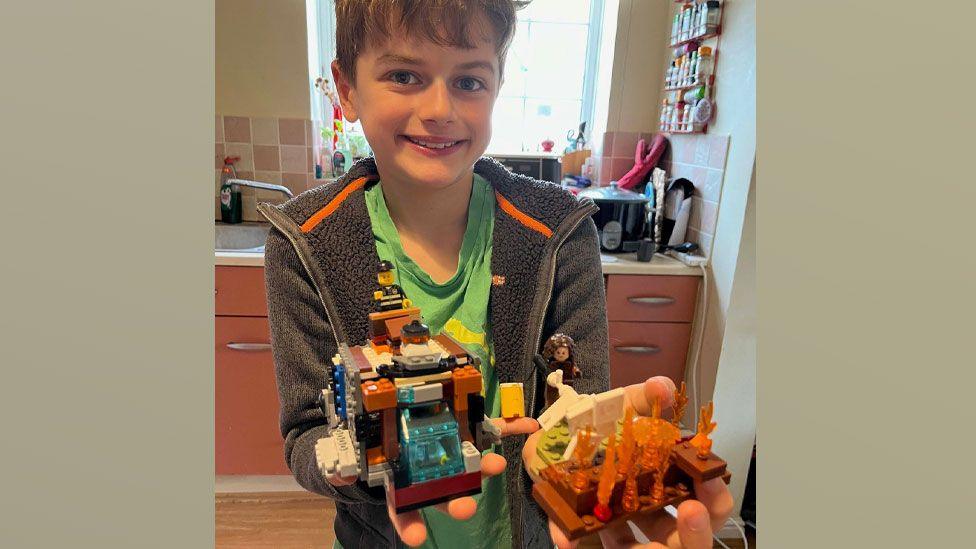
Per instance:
(239,291)
(639,350)
(248,440)
(641,298)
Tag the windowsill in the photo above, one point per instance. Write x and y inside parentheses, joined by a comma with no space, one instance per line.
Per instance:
(524,154)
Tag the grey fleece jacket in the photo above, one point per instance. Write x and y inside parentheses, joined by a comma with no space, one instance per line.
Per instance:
(320,270)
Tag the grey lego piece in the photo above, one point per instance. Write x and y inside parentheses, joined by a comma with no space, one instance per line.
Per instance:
(376,474)
(428,392)
(472,457)
(328,405)
(348,464)
(354,407)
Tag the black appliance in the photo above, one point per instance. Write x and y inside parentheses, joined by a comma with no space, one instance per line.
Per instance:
(622,220)
(543,166)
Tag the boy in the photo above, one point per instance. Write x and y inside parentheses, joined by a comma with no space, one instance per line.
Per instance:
(499,261)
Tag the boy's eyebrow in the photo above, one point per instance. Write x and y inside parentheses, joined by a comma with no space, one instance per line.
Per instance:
(395,59)
(477,65)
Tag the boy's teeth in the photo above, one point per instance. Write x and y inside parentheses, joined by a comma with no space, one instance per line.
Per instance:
(432,145)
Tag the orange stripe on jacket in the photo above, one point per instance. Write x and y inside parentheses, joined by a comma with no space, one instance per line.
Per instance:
(521,217)
(334,204)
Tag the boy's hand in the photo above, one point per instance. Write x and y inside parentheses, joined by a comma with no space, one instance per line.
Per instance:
(410,525)
(697,519)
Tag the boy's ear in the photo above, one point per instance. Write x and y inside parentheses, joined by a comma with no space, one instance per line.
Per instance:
(347,93)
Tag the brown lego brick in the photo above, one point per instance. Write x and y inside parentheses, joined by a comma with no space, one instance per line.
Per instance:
(377,321)
(414,380)
(450,344)
(379,394)
(395,325)
(375,456)
(391,442)
(686,458)
(463,431)
(557,509)
(361,362)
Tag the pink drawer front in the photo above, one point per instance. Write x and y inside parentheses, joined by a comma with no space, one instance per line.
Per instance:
(649,298)
(639,350)
(239,291)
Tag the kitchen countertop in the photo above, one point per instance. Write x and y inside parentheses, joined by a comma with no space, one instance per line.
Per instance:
(626,264)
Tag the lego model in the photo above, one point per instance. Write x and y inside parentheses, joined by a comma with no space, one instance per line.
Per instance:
(389,296)
(512,400)
(558,352)
(405,411)
(614,464)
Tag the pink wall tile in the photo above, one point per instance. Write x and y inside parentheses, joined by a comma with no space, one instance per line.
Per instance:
(309,161)
(237,129)
(265,131)
(701,150)
(219,128)
(698,176)
(245,174)
(712,188)
(709,216)
(308,133)
(268,177)
(291,131)
(718,149)
(297,182)
(244,151)
(624,144)
(604,178)
(607,144)
(219,156)
(266,158)
(619,167)
(293,158)
(694,220)
(683,148)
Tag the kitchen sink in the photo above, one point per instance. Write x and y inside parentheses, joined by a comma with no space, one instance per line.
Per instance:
(240,237)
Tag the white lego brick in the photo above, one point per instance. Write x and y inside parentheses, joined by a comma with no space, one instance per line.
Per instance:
(328,397)
(580,413)
(428,392)
(472,457)
(376,474)
(556,411)
(608,406)
(336,360)
(570,447)
(348,462)
(375,359)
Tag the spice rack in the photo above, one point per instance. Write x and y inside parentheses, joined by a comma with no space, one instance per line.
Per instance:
(692,67)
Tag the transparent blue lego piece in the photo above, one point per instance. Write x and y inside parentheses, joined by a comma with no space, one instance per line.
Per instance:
(430,442)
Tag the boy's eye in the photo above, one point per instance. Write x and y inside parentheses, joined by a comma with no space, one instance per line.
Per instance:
(403,77)
(470,84)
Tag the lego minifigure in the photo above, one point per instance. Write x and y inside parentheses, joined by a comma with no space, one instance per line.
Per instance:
(390,296)
(558,352)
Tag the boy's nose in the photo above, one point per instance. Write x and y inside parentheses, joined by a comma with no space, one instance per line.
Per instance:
(437,105)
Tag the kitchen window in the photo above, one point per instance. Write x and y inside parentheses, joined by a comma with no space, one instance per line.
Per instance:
(550,71)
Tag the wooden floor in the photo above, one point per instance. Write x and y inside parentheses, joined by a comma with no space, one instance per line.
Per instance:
(292,520)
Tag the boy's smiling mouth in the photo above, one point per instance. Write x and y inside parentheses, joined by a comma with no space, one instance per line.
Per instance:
(432,145)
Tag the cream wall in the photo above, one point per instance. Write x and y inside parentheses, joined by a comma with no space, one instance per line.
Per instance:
(261,58)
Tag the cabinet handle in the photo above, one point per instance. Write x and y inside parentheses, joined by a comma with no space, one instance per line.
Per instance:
(651,300)
(648,350)
(249,346)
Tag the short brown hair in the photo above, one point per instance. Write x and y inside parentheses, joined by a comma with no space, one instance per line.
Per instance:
(443,22)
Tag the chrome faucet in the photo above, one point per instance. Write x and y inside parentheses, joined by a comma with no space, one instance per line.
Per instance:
(259,185)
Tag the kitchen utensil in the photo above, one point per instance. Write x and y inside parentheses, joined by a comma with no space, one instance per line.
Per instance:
(622,217)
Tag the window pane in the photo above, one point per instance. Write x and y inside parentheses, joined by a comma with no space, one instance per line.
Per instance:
(506,125)
(559,11)
(556,61)
(517,63)
(550,119)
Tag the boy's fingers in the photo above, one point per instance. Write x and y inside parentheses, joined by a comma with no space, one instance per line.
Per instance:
(694,525)
(462,508)
(641,395)
(715,496)
(409,525)
(516,426)
(559,537)
(492,464)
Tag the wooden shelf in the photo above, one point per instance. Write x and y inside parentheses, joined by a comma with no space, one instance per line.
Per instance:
(709,34)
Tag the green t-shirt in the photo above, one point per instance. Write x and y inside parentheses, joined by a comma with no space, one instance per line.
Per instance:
(458,307)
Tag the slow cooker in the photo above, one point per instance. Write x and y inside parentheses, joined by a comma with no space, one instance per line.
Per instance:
(622,218)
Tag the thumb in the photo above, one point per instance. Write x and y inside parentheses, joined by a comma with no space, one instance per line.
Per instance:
(694,528)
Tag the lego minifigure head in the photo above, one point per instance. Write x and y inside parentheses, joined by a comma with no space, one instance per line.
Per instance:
(415,333)
(422,78)
(385,273)
(559,347)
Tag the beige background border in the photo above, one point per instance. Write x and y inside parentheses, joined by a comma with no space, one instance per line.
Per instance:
(865,290)
(107,322)
(107,328)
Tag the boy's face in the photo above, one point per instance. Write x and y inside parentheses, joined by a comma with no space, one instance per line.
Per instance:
(425,109)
